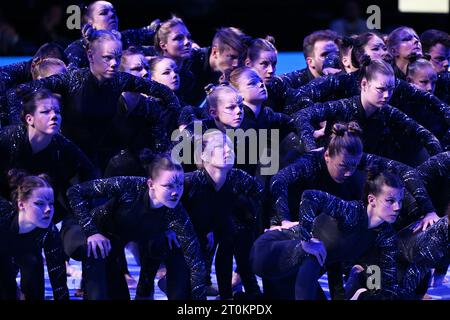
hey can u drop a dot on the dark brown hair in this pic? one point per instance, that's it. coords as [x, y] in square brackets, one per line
[345, 137]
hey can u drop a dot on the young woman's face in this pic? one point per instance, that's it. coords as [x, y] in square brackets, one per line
[135, 65]
[252, 88]
[104, 58]
[166, 72]
[375, 48]
[219, 152]
[342, 166]
[229, 110]
[265, 65]
[409, 44]
[378, 91]
[424, 79]
[440, 57]
[46, 119]
[39, 207]
[167, 188]
[179, 43]
[387, 204]
[103, 16]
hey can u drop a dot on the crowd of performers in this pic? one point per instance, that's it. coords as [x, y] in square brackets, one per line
[89, 164]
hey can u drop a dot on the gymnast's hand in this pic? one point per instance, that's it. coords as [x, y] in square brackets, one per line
[98, 241]
[316, 248]
[172, 239]
[429, 219]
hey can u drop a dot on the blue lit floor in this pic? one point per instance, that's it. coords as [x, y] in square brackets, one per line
[439, 293]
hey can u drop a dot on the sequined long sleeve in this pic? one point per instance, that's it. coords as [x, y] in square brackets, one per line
[80, 196]
[437, 166]
[350, 109]
[14, 74]
[315, 202]
[306, 119]
[182, 226]
[304, 169]
[387, 252]
[7, 214]
[407, 127]
[283, 98]
[247, 185]
[423, 251]
[56, 263]
[70, 83]
[442, 90]
[297, 78]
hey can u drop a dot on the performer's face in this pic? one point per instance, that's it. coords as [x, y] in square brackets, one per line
[46, 119]
[440, 57]
[408, 45]
[424, 79]
[387, 204]
[322, 49]
[166, 188]
[104, 58]
[265, 65]
[166, 72]
[341, 166]
[378, 91]
[375, 48]
[103, 16]
[178, 44]
[39, 207]
[229, 110]
[135, 65]
[252, 88]
[219, 152]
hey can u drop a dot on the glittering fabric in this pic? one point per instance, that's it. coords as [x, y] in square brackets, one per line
[310, 172]
[383, 129]
[48, 239]
[128, 193]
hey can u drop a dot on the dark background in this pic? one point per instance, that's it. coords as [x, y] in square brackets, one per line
[287, 20]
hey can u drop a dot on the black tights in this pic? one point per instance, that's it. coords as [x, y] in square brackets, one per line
[239, 246]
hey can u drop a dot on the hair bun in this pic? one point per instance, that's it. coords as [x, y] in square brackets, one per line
[209, 88]
[353, 127]
[155, 25]
[365, 60]
[270, 39]
[339, 129]
[87, 32]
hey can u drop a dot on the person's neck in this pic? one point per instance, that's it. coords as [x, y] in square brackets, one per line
[218, 175]
[24, 225]
[212, 64]
[314, 72]
[154, 203]
[374, 220]
[131, 100]
[38, 140]
[402, 64]
[254, 106]
[368, 108]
